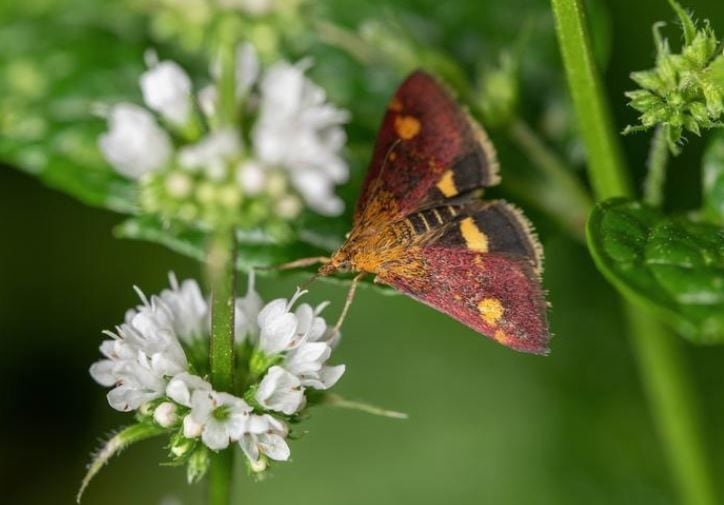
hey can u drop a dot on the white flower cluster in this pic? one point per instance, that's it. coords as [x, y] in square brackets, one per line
[146, 366]
[293, 157]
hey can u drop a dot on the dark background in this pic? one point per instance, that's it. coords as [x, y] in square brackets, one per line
[487, 425]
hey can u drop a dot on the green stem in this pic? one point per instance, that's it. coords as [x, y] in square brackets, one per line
[605, 163]
[221, 276]
[220, 474]
[226, 109]
[564, 198]
[221, 272]
[656, 168]
[661, 364]
[669, 391]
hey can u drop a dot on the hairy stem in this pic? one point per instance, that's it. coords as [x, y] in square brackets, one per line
[564, 197]
[221, 277]
[656, 168]
[221, 274]
[661, 365]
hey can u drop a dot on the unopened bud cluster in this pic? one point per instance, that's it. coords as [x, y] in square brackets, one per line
[685, 91]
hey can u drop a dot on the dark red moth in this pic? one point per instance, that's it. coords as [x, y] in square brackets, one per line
[420, 226]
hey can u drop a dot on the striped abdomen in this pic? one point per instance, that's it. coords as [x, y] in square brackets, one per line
[424, 221]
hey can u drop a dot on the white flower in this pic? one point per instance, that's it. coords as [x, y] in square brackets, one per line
[312, 327]
[167, 90]
[307, 363]
[144, 352]
[307, 360]
[278, 326]
[246, 311]
[135, 144]
[182, 386]
[217, 417]
[212, 154]
[265, 435]
[140, 358]
[305, 341]
[297, 130]
[280, 391]
[188, 310]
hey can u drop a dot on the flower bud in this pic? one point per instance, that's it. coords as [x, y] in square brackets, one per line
[198, 465]
[259, 465]
[192, 429]
[178, 184]
[146, 410]
[648, 79]
[165, 414]
[288, 207]
[181, 446]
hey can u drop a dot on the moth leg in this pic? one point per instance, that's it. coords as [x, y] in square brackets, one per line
[300, 263]
[348, 302]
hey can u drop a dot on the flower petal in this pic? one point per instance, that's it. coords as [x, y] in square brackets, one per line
[181, 387]
[215, 435]
[274, 446]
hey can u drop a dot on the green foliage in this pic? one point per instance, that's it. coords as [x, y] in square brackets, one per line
[685, 91]
[672, 264]
[254, 249]
[713, 180]
[52, 76]
[115, 445]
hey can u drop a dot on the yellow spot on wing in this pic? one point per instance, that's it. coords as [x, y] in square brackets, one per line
[501, 337]
[447, 185]
[474, 238]
[491, 310]
[407, 127]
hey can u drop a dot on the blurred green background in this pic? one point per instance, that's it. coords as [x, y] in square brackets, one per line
[487, 425]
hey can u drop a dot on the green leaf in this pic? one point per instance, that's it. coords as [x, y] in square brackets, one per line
[115, 445]
[255, 249]
[53, 78]
[671, 264]
[713, 180]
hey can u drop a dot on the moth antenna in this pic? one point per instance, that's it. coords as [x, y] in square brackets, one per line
[300, 263]
[348, 302]
[387, 157]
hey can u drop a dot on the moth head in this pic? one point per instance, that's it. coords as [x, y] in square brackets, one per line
[339, 263]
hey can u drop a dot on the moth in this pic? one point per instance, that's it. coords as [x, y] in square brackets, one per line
[421, 227]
